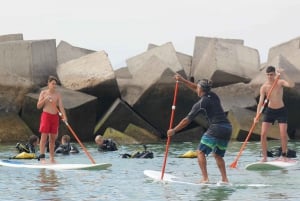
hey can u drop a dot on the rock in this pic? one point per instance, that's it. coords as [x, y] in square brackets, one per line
[11, 37]
[32, 60]
[91, 74]
[184, 59]
[13, 128]
[224, 61]
[12, 91]
[140, 134]
[289, 50]
[118, 137]
[166, 54]
[236, 95]
[67, 52]
[119, 117]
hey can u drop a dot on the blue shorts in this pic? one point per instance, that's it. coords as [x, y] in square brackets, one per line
[209, 143]
[271, 115]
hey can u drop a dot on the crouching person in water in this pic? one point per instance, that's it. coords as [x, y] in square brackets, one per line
[105, 144]
[66, 147]
[27, 151]
[218, 134]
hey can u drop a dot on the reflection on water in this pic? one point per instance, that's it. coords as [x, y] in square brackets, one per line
[48, 180]
[216, 194]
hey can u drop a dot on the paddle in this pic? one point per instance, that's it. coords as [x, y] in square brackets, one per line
[234, 164]
[171, 126]
[74, 134]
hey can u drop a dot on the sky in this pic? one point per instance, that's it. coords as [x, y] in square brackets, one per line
[124, 28]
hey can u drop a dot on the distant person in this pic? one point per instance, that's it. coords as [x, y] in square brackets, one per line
[66, 147]
[49, 99]
[139, 154]
[30, 147]
[218, 134]
[275, 109]
[105, 144]
[27, 151]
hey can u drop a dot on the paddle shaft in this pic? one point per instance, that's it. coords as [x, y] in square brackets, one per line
[74, 134]
[234, 164]
[170, 127]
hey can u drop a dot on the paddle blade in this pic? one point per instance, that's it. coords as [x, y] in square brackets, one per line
[233, 165]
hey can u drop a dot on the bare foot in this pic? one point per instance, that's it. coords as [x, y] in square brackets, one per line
[225, 180]
[52, 161]
[284, 159]
[263, 160]
[43, 161]
[204, 181]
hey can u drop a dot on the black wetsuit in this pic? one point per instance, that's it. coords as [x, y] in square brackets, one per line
[66, 149]
[210, 106]
[108, 145]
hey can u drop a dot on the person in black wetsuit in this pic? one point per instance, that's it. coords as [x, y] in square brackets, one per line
[27, 151]
[218, 134]
[33, 141]
[105, 144]
[66, 147]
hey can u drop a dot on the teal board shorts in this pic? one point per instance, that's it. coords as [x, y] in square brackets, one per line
[210, 144]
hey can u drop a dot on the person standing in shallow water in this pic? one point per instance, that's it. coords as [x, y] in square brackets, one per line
[275, 109]
[218, 134]
[49, 99]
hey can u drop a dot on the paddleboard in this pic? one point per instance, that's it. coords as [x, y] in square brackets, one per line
[156, 175]
[271, 165]
[21, 164]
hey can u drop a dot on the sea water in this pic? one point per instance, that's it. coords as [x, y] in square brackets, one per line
[125, 181]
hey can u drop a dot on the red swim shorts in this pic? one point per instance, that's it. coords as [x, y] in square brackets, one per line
[49, 123]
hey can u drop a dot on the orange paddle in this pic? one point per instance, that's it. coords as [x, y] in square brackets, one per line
[171, 126]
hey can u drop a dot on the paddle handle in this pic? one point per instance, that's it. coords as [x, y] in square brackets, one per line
[170, 127]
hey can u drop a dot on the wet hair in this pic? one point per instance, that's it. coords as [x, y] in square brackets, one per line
[66, 138]
[51, 78]
[33, 139]
[270, 69]
[205, 85]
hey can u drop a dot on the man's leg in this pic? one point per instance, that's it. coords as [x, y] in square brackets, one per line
[43, 143]
[202, 164]
[52, 138]
[221, 165]
[283, 137]
[263, 139]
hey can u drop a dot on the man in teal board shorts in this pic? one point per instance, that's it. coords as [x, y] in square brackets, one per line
[218, 134]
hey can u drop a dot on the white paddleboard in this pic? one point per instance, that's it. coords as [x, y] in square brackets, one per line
[21, 164]
[156, 175]
[271, 165]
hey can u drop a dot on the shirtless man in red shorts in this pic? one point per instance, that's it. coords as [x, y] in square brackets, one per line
[49, 99]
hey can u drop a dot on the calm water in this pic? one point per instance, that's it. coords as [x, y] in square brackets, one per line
[125, 181]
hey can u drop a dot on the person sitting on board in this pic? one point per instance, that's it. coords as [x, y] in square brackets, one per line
[66, 147]
[27, 151]
[275, 109]
[216, 137]
[138, 154]
[105, 144]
